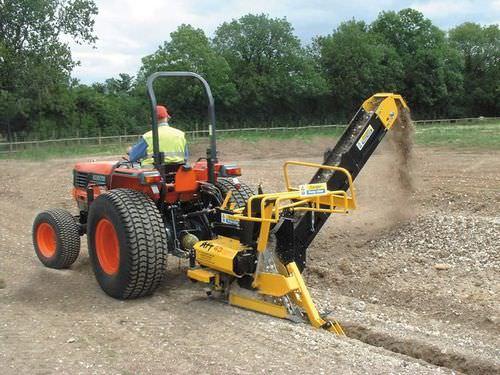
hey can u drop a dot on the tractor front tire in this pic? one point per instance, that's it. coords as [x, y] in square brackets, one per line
[240, 191]
[127, 243]
[56, 238]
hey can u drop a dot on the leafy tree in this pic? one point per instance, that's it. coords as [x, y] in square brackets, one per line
[36, 64]
[480, 48]
[121, 85]
[257, 68]
[189, 50]
[274, 75]
[432, 71]
[357, 63]
[97, 109]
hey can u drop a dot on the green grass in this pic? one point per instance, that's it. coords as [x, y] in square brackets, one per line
[306, 134]
[62, 151]
[484, 136]
[470, 136]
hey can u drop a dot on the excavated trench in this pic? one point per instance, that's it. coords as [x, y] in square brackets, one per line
[415, 348]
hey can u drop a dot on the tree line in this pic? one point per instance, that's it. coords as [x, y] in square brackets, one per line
[259, 70]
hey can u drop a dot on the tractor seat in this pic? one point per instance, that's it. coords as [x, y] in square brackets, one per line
[169, 171]
[171, 168]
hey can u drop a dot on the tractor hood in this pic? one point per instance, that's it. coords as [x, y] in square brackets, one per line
[101, 167]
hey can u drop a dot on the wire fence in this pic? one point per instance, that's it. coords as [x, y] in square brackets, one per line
[16, 146]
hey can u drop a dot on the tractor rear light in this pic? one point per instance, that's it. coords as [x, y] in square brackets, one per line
[233, 171]
[148, 178]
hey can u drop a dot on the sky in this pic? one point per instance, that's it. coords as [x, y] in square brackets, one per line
[130, 29]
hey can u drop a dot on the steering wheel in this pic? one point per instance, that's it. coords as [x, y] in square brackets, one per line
[124, 162]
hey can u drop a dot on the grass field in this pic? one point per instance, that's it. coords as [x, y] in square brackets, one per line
[484, 136]
[470, 136]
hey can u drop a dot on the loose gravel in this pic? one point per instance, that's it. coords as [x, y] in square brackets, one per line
[471, 243]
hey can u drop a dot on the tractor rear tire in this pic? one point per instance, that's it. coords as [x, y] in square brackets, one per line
[56, 238]
[127, 243]
[240, 191]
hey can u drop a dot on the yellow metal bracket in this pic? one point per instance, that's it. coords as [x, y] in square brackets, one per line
[333, 168]
[275, 284]
[272, 204]
[254, 304]
[385, 106]
[302, 298]
[226, 199]
[293, 285]
[201, 274]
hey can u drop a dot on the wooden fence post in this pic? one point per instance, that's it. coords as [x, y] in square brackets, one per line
[99, 138]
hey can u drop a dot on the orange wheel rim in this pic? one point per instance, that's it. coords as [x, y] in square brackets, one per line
[107, 246]
[46, 240]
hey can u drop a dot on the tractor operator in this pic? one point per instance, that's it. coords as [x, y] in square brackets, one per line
[172, 143]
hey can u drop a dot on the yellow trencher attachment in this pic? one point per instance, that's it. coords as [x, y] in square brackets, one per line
[277, 289]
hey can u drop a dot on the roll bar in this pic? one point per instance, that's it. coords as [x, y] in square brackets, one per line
[158, 157]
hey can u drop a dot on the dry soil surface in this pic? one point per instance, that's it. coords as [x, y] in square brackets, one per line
[413, 276]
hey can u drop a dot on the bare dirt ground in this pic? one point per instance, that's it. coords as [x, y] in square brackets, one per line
[413, 276]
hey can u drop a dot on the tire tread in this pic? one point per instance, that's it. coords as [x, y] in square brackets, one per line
[146, 241]
[239, 195]
[68, 234]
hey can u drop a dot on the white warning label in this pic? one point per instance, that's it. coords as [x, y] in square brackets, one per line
[364, 137]
[311, 190]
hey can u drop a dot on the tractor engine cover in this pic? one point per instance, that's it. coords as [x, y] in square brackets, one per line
[226, 255]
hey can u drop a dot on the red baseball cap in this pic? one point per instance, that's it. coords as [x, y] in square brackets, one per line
[161, 112]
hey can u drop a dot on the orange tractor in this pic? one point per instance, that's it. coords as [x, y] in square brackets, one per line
[133, 217]
[249, 249]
